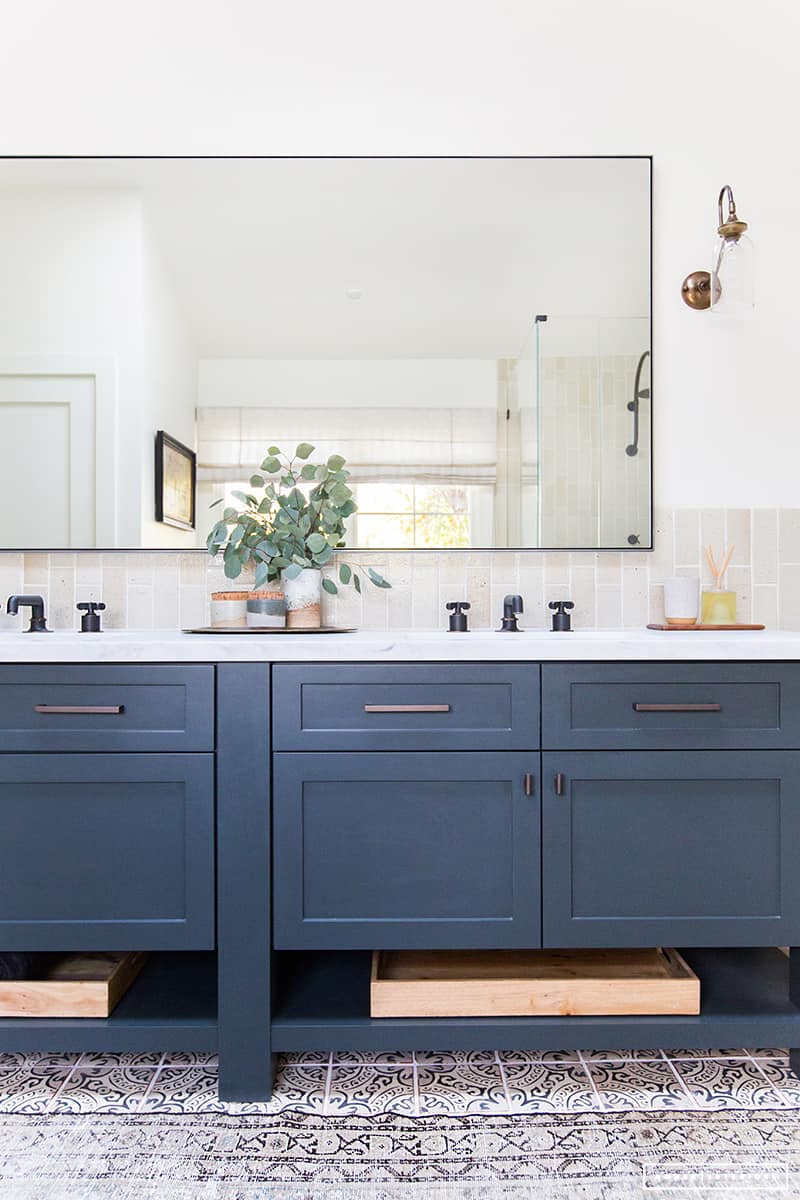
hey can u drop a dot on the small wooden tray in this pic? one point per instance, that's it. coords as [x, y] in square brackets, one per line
[538, 983]
[73, 985]
[701, 628]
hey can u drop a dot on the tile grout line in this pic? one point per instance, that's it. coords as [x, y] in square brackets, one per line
[690, 1095]
[775, 1088]
[504, 1080]
[592, 1084]
[52, 1102]
[326, 1095]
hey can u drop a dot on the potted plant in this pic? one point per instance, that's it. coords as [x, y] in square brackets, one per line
[288, 527]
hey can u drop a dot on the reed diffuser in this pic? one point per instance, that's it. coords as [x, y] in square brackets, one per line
[718, 604]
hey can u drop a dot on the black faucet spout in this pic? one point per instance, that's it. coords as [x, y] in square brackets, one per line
[36, 605]
[512, 606]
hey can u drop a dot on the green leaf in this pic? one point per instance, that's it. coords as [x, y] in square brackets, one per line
[357, 583]
[330, 586]
[233, 568]
[257, 481]
[336, 462]
[309, 471]
[345, 573]
[262, 574]
[348, 508]
[246, 498]
[292, 571]
[377, 579]
[271, 465]
[303, 450]
[316, 542]
[323, 556]
[321, 472]
[273, 450]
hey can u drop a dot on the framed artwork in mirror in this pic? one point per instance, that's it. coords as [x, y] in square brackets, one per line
[176, 482]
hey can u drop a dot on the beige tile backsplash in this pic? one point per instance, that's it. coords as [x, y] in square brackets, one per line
[171, 591]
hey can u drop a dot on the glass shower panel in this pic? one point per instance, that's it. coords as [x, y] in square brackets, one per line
[593, 432]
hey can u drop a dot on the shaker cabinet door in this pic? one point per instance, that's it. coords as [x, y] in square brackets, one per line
[375, 851]
[671, 849]
[106, 851]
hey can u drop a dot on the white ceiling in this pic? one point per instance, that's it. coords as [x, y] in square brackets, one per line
[454, 256]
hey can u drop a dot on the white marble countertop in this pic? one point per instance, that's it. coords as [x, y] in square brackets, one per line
[613, 645]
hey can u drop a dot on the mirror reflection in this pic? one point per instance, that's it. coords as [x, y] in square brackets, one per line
[471, 335]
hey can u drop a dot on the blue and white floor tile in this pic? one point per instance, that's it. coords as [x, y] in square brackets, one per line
[425, 1083]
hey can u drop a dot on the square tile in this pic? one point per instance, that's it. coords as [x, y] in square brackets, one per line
[639, 1086]
[104, 1089]
[301, 1087]
[549, 1087]
[183, 1089]
[467, 1088]
[369, 1088]
[738, 1053]
[445, 1060]
[620, 1056]
[397, 1058]
[779, 1077]
[107, 1061]
[187, 1058]
[24, 1091]
[735, 1083]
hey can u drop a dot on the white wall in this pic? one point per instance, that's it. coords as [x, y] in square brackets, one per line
[707, 86]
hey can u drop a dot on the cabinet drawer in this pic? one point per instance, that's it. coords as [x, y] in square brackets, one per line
[406, 850]
[435, 706]
[690, 849]
[665, 706]
[107, 708]
[107, 851]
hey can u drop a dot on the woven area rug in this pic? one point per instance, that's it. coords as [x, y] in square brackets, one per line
[296, 1156]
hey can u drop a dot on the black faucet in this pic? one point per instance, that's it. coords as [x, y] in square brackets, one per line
[36, 604]
[512, 605]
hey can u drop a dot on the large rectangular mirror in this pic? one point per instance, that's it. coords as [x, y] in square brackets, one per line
[471, 334]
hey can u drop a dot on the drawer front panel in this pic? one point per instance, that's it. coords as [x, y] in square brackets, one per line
[671, 849]
[660, 706]
[432, 706]
[405, 850]
[97, 708]
[107, 852]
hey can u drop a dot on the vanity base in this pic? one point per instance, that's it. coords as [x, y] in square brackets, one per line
[322, 1003]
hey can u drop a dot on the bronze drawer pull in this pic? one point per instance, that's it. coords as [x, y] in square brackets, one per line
[677, 708]
[81, 709]
[559, 783]
[528, 783]
[406, 708]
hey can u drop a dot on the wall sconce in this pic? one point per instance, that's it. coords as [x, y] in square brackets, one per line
[728, 286]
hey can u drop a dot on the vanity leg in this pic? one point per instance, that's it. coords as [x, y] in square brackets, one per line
[243, 881]
[794, 996]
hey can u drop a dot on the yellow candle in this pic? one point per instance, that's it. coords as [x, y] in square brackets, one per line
[718, 608]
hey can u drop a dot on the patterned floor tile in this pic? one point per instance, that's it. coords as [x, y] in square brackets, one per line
[400, 1058]
[621, 1056]
[768, 1053]
[104, 1089]
[447, 1059]
[23, 1091]
[190, 1058]
[301, 1086]
[549, 1087]
[779, 1077]
[734, 1083]
[371, 1088]
[706, 1053]
[464, 1088]
[177, 1089]
[639, 1086]
[107, 1061]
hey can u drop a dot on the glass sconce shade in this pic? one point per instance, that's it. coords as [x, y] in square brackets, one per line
[732, 275]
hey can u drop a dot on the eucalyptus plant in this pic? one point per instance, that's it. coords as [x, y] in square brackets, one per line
[281, 527]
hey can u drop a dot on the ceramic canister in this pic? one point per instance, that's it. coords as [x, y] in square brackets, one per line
[681, 598]
[229, 609]
[266, 609]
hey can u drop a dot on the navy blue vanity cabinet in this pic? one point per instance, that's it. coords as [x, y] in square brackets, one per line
[107, 851]
[689, 849]
[397, 850]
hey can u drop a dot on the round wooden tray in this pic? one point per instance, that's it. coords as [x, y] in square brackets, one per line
[257, 629]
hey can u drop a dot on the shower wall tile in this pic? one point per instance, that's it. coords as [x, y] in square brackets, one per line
[610, 590]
